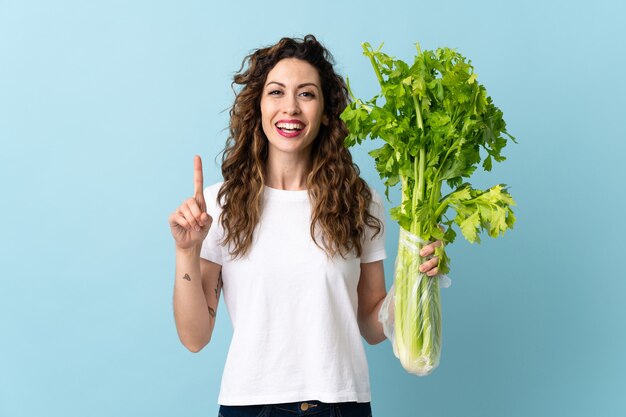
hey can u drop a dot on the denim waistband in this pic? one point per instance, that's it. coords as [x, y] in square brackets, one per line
[302, 408]
[311, 408]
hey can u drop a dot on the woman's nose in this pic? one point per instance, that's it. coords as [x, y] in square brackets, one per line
[291, 105]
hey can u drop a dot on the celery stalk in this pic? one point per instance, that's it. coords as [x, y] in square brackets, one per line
[438, 123]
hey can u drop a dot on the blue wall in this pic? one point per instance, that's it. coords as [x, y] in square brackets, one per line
[104, 104]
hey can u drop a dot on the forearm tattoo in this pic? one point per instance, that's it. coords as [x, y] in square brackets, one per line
[219, 287]
[217, 294]
[187, 277]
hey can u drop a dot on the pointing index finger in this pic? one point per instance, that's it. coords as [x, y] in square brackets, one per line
[198, 182]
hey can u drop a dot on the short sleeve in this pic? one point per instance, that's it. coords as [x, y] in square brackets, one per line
[211, 249]
[374, 246]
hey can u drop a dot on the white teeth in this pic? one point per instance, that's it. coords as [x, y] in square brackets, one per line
[290, 126]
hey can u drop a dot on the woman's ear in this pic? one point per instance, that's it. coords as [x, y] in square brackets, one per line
[325, 120]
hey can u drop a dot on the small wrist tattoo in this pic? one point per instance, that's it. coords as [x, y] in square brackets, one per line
[187, 277]
[212, 312]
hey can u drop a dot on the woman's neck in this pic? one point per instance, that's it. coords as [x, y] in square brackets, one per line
[287, 172]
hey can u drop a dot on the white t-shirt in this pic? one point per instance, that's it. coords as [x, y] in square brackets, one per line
[293, 310]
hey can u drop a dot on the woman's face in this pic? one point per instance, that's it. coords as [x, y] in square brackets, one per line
[292, 107]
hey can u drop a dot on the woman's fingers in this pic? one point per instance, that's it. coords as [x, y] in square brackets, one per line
[186, 209]
[206, 219]
[177, 219]
[198, 183]
[192, 214]
[430, 248]
[196, 211]
[430, 267]
[433, 272]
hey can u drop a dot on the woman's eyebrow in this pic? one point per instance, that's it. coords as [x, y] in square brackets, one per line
[299, 86]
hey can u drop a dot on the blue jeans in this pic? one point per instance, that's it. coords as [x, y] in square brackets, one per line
[298, 409]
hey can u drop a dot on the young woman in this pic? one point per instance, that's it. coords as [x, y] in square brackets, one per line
[295, 239]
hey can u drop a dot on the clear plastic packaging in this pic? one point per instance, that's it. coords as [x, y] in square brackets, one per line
[411, 312]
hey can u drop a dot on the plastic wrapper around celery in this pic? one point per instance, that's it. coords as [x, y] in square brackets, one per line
[411, 312]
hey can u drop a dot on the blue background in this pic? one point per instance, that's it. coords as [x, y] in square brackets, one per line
[103, 105]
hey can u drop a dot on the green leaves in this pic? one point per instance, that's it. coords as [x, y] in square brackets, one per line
[438, 123]
[489, 210]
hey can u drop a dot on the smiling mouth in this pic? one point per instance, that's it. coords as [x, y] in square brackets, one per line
[290, 127]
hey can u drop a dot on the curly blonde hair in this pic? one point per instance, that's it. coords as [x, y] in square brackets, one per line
[340, 198]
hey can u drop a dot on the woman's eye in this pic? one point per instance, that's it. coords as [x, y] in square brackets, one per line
[308, 94]
[273, 92]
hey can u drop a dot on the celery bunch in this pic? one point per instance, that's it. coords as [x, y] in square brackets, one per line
[435, 119]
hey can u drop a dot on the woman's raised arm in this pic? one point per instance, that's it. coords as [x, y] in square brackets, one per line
[197, 281]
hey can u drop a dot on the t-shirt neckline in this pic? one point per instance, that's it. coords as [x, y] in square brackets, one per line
[285, 195]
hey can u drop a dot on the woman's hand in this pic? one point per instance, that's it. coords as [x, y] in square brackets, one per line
[430, 266]
[190, 222]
